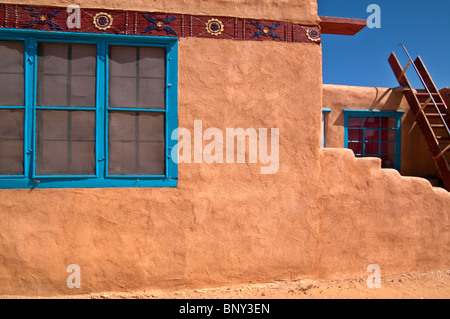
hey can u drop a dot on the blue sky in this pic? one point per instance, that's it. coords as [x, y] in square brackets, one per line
[361, 60]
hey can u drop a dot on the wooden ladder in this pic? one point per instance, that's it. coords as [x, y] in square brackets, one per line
[431, 113]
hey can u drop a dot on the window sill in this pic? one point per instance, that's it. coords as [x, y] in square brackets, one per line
[87, 183]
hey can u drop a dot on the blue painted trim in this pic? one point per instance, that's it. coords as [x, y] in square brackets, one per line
[65, 108]
[12, 107]
[376, 113]
[129, 109]
[373, 113]
[12, 176]
[72, 177]
[84, 183]
[172, 109]
[325, 111]
[30, 101]
[103, 41]
[105, 80]
[137, 176]
[32, 81]
[21, 34]
[101, 115]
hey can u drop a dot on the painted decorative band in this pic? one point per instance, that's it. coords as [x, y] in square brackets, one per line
[156, 24]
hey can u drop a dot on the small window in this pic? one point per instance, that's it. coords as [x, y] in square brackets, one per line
[87, 110]
[375, 134]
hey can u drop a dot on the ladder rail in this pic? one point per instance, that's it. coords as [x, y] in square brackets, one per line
[426, 87]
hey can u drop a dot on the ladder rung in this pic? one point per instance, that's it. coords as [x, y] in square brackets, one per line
[446, 149]
[438, 104]
[404, 70]
[433, 115]
[443, 138]
[425, 94]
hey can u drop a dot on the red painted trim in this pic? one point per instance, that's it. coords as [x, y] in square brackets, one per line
[342, 26]
[135, 23]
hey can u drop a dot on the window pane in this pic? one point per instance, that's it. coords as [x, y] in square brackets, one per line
[82, 91]
[65, 142]
[357, 148]
[388, 148]
[355, 135]
[122, 92]
[150, 95]
[11, 73]
[356, 122]
[66, 75]
[388, 135]
[372, 149]
[388, 122]
[137, 77]
[152, 63]
[122, 61]
[372, 122]
[11, 142]
[136, 143]
[372, 135]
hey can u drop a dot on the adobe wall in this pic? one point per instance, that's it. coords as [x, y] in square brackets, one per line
[325, 214]
[375, 216]
[416, 159]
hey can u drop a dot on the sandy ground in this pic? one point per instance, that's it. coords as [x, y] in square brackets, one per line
[432, 285]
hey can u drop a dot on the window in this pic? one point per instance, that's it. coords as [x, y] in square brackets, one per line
[375, 134]
[80, 110]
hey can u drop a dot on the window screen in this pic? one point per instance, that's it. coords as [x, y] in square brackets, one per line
[136, 139]
[12, 120]
[137, 77]
[66, 75]
[11, 142]
[11, 73]
[65, 136]
[65, 142]
[136, 143]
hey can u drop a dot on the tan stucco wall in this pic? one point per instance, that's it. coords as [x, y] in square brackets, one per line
[296, 11]
[416, 159]
[399, 223]
[223, 223]
[325, 214]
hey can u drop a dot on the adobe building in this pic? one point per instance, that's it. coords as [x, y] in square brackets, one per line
[88, 105]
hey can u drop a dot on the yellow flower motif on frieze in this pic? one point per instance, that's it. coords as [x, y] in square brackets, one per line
[214, 27]
[103, 21]
[313, 35]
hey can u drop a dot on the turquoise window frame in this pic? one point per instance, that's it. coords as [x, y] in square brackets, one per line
[101, 179]
[325, 111]
[374, 113]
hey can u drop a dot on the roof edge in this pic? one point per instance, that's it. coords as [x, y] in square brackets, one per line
[341, 26]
